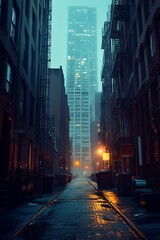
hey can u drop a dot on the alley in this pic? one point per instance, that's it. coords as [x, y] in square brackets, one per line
[78, 213]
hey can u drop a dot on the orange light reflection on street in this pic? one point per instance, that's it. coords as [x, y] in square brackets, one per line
[112, 197]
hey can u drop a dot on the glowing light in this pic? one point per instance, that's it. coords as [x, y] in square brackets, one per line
[100, 150]
[106, 156]
[76, 163]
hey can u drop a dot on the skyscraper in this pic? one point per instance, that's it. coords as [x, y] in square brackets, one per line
[81, 81]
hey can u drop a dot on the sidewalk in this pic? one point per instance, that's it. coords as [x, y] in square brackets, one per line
[18, 217]
[147, 223]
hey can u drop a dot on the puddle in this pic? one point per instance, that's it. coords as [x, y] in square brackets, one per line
[105, 205]
[95, 237]
[33, 204]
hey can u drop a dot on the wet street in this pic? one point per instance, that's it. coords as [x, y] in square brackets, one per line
[79, 213]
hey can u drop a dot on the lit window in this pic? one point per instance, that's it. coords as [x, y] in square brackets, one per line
[8, 79]
[13, 25]
[151, 45]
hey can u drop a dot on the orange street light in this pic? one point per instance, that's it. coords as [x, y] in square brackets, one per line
[101, 150]
[76, 163]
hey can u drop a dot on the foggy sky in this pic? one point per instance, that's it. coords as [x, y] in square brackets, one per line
[59, 30]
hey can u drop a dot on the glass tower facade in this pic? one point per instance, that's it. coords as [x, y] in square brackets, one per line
[81, 81]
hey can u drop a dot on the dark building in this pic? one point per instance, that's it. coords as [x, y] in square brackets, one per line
[97, 162]
[24, 52]
[59, 121]
[130, 126]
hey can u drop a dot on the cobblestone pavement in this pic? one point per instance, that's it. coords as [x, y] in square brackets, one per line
[147, 223]
[78, 214]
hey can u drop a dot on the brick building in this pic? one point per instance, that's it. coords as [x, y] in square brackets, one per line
[24, 52]
[59, 120]
[130, 126]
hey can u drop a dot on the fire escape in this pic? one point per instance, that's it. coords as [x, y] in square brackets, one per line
[44, 64]
[119, 14]
[105, 129]
[105, 81]
[120, 101]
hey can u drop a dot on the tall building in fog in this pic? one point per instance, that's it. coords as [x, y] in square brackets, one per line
[81, 81]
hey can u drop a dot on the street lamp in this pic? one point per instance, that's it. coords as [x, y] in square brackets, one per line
[106, 160]
[101, 152]
[76, 163]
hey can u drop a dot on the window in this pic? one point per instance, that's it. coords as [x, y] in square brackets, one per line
[3, 11]
[1, 65]
[146, 9]
[8, 81]
[27, 9]
[154, 94]
[139, 20]
[151, 45]
[85, 114]
[133, 6]
[25, 52]
[30, 156]
[152, 2]
[33, 67]
[136, 76]
[135, 37]
[22, 100]
[40, 14]
[31, 118]
[14, 20]
[34, 25]
[0, 7]
[142, 64]
[39, 42]
[158, 32]
[148, 47]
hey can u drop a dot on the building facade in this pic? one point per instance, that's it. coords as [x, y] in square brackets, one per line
[96, 163]
[59, 121]
[24, 52]
[133, 132]
[81, 81]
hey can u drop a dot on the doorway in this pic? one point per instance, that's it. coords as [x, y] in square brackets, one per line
[5, 146]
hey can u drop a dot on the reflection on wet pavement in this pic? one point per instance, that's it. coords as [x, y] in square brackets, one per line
[79, 214]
